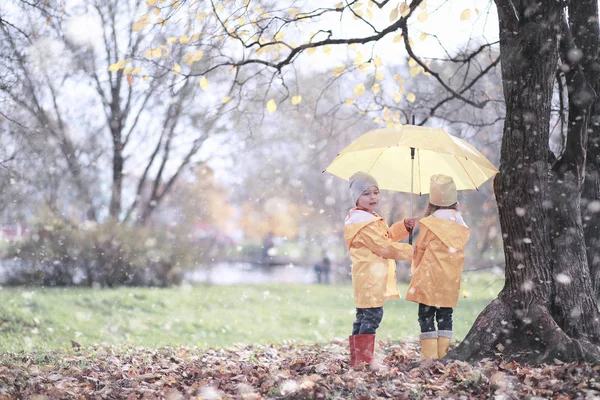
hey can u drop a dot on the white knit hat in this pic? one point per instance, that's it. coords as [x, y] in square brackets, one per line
[442, 190]
[359, 182]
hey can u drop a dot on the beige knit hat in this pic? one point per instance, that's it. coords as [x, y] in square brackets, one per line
[359, 182]
[442, 190]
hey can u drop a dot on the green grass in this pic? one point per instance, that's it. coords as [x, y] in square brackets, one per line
[36, 319]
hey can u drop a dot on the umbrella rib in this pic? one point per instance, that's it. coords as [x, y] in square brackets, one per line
[419, 166]
[466, 172]
[377, 159]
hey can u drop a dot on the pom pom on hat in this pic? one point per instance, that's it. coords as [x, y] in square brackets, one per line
[359, 182]
[442, 190]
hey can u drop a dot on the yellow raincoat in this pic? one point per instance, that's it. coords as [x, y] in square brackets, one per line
[438, 262]
[373, 249]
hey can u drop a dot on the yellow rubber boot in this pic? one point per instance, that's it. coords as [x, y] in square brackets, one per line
[429, 348]
[442, 346]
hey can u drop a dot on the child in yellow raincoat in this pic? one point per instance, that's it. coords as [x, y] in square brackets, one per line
[373, 249]
[437, 266]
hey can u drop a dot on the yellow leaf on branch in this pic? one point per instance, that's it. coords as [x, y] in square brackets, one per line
[404, 9]
[279, 36]
[271, 106]
[423, 16]
[412, 62]
[394, 14]
[397, 97]
[379, 76]
[423, 5]
[359, 89]
[311, 50]
[226, 100]
[338, 70]
[397, 38]
[415, 71]
[184, 39]
[176, 69]
[399, 78]
[423, 36]
[204, 83]
[154, 53]
[411, 97]
[376, 88]
[349, 101]
[141, 24]
[296, 100]
[465, 15]
[359, 60]
[378, 62]
[151, 3]
[136, 71]
[191, 58]
[327, 50]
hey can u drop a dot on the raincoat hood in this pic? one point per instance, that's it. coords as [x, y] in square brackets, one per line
[355, 221]
[453, 235]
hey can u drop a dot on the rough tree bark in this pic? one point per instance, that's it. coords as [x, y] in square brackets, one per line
[547, 307]
[583, 18]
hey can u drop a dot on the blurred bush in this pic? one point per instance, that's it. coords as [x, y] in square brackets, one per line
[105, 255]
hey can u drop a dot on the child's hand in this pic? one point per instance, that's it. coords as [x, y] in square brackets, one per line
[410, 223]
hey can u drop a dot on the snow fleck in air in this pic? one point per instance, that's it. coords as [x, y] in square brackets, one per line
[520, 266]
[594, 206]
[526, 240]
[574, 55]
[520, 211]
[527, 286]
[563, 278]
[576, 312]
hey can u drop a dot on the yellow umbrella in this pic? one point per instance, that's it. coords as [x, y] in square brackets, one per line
[391, 154]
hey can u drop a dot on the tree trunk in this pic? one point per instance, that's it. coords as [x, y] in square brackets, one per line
[583, 18]
[530, 319]
[116, 129]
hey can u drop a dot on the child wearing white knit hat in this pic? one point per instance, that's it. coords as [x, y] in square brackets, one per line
[373, 247]
[437, 266]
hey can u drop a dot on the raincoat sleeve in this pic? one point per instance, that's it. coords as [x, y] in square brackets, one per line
[384, 246]
[398, 231]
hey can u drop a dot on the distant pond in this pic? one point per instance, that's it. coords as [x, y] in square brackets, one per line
[246, 273]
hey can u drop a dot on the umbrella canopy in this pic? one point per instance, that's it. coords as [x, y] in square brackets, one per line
[386, 154]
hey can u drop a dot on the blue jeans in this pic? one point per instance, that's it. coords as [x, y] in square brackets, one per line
[367, 320]
[442, 315]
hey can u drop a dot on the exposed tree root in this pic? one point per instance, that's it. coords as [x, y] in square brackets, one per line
[534, 337]
[485, 333]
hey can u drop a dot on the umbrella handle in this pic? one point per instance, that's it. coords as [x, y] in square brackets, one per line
[410, 234]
